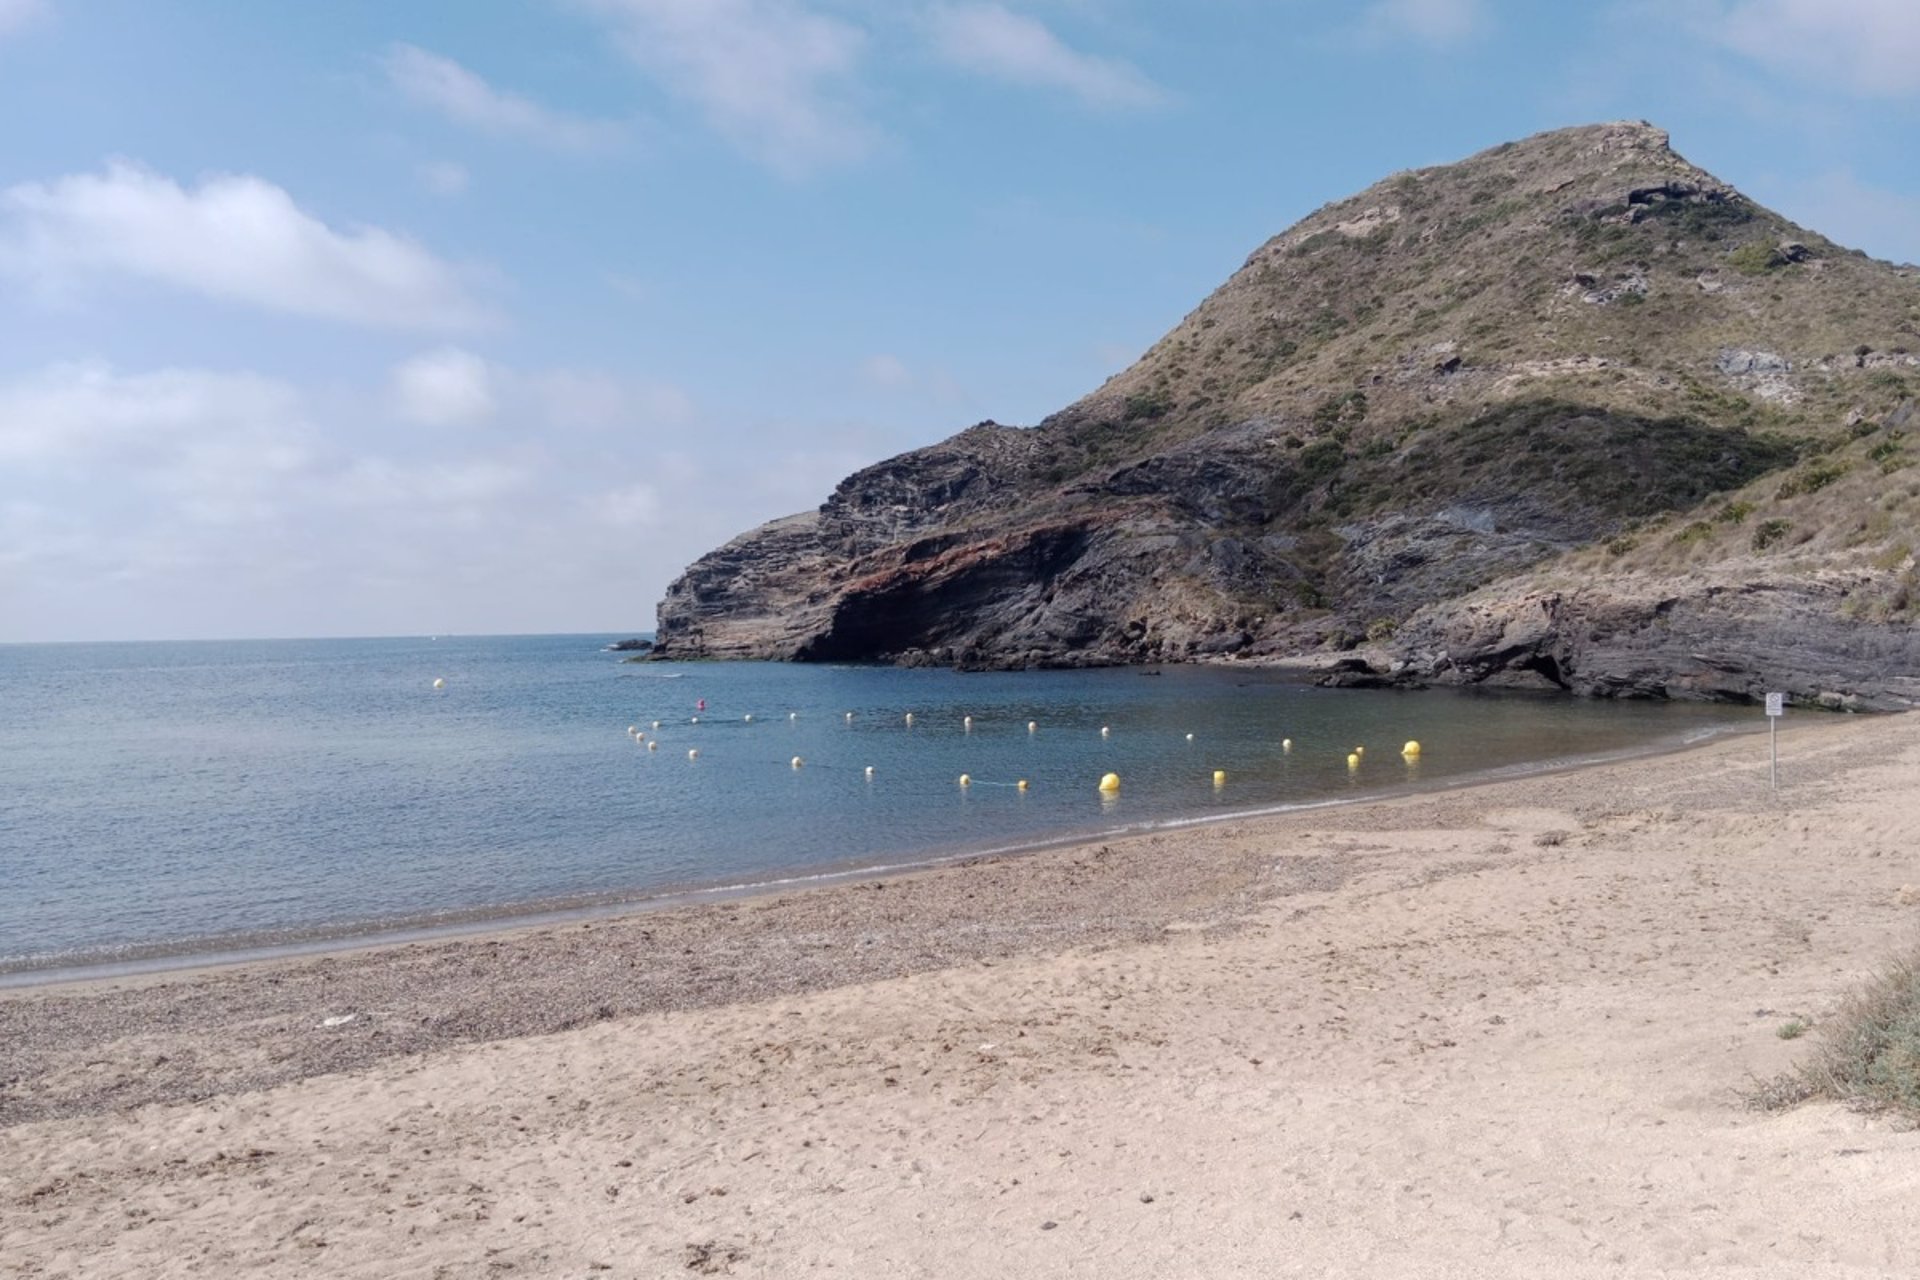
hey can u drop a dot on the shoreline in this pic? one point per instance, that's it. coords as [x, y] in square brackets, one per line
[202, 955]
[1502, 1030]
[1023, 914]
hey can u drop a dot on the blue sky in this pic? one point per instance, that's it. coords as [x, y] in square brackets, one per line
[361, 318]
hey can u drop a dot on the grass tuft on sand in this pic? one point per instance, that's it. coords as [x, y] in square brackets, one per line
[1870, 1054]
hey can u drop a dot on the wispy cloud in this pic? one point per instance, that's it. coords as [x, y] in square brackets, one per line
[628, 507]
[16, 15]
[73, 411]
[466, 98]
[1434, 22]
[204, 501]
[993, 40]
[1868, 47]
[446, 387]
[233, 237]
[772, 76]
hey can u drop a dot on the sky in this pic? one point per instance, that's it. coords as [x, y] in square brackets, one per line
[489, 316]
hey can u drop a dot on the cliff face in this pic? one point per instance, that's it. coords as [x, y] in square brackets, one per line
[1488, 421]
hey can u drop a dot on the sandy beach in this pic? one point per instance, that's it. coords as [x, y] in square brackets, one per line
[1498, 1031]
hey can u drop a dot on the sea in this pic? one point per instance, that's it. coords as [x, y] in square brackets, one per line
[172, 804]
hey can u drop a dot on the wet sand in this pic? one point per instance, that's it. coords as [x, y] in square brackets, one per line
[1495, 1031]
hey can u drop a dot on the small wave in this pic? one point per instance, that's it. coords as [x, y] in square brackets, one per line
[657, 675]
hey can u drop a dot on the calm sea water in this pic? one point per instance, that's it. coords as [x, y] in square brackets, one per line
[187, 799]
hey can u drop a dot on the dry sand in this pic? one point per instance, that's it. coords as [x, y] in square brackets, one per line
[1500, 1031]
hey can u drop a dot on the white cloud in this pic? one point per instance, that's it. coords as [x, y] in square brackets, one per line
[770, 75]
[993, 40]
[1863, 46]
[16, 14]
[1437, 22]
[464, 97]
[445, 387]
[234, 237]
[444, 177]
[75, 410]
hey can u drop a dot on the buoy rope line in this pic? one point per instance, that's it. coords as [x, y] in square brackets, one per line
[1109, 783]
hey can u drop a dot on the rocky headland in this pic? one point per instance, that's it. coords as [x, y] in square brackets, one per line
[1570, 413]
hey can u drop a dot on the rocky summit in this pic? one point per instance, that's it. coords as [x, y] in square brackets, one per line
[1571, 413]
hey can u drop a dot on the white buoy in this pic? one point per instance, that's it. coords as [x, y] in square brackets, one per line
[1021, 785]
[653, 746]
[1286, 744]
[748, 717]
[1189, 737]
[1033, 726]
[694, 720]
[1105, 732]
[869, 771]
[797, 762]
[693, 753]
[966, 722]
[909, 717]
[438, 683]
[656, 724]
[849, 717]
[965, 780]
[793, 715]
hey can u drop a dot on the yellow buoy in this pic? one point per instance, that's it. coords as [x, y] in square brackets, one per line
[1033, 726]
[693, 753]
[797, 762]
[1353, 760]
[1021, 785]
[1110, 783]
[1219, 777]
[965, 780]
[438, 683]
[1411, 749]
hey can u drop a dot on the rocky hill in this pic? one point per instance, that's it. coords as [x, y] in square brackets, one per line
[1571, 412]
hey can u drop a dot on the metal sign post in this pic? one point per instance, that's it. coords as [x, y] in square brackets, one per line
[1776, 707]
